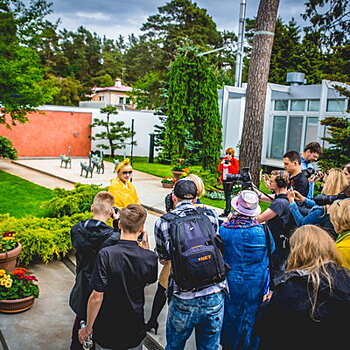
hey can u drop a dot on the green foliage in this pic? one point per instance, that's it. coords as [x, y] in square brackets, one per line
[44, 238]
[103, 81]
[6, 148]
[116, 133]
[7, 242]
[193, 117]
[20, 70]
[69, 202]
[19, 197]
[17, 285]
[337, 154]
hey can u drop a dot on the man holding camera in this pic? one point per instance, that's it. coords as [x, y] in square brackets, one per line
[197, 298]
[228, 165]
[308, 158]
[88, 237]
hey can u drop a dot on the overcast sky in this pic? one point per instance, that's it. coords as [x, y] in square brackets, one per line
[123, 17]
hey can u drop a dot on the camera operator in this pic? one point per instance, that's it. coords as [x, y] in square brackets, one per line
[228, 165]
[334, 182]
[308, 158]
[278, 219]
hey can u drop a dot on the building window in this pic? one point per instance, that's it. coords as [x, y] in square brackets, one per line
[278, 136]
[335, 105]
[295, 128]
[297, 105]
[128, 101]
[313, 105]
[281, 105]
[101, 98]
[121, 100]
[311, 130]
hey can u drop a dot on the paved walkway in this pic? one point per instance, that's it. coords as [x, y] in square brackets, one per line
[48, 324]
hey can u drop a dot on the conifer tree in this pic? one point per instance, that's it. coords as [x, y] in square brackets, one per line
[193, 122]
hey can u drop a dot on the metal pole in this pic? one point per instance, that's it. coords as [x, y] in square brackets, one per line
[132, 140]
[240, 48]
[151, 148]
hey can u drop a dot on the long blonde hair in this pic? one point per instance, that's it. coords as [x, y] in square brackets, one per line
[199, 184]
[335, 182]
[339, 213]
[311, 249]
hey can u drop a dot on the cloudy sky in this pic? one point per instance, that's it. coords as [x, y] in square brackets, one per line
[123, 17]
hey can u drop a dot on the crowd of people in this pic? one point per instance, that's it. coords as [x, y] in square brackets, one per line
[277, 279]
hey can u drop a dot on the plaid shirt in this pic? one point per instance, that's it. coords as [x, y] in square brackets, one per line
[162, 237]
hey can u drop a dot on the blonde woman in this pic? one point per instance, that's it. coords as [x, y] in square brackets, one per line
[335, 182]
[308, 310]
[199, 184]
[121, 188]
[339, 213]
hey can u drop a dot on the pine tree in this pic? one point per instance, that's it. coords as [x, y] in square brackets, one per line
[116, 133]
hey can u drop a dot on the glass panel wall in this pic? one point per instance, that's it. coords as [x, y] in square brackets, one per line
[294, 133]
[311, 130]
[335, 105]
[278, 137]
[313, 105]
[297, 105]
[281, 105]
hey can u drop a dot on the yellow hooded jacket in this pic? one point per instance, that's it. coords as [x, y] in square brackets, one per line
[343, 246]
[124, 194]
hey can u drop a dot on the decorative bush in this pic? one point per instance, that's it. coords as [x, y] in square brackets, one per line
[44, 238]
[7, 241]
[6, 148]
[168, 180]
[69, 202]
[215, 195]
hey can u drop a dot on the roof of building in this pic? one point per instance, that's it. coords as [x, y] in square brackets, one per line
[113, 88]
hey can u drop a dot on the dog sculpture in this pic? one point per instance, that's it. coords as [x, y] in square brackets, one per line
[97, 161]
[86, 167]
[66, 159]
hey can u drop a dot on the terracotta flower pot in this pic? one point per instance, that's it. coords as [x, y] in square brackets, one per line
[167, 185]
[177, 174]
[8, 259]
[16, 305]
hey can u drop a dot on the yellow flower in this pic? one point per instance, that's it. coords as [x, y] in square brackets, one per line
[2, 273]
[8, 238]
[8, 284]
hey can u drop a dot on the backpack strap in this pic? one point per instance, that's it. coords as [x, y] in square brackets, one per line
[169, 217]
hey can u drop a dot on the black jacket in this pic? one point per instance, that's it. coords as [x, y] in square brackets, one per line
[88, 238]
[285, 322]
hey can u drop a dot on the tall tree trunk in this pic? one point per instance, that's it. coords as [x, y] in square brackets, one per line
[251, 144]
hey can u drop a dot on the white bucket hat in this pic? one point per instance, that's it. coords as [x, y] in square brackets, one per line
[246, 203]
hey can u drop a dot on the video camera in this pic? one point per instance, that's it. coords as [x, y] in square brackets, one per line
[243, 178]
[323, 199]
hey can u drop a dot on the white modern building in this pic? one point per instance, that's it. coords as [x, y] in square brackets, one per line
[292, 115]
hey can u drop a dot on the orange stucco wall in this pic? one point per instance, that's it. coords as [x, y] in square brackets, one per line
[49, 134]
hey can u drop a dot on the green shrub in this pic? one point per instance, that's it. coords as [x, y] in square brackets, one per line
[69, 202]
[44, 238]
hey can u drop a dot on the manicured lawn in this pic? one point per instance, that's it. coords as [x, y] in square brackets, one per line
[19, 197]
[162, 170]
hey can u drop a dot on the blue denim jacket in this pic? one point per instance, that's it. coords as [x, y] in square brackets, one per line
[315, 216]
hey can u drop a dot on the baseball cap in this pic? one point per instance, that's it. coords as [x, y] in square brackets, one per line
[185, 189]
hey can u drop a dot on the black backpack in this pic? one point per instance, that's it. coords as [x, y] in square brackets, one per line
[196, 260]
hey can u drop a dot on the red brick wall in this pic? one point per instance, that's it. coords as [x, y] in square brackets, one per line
[50, 134]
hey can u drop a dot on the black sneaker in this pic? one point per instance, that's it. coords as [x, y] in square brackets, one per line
[223, 215]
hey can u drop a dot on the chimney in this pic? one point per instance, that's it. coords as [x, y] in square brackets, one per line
[118, 82]
[296, 78]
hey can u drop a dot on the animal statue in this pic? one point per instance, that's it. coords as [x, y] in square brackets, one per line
[66, 159]
[116, 162]
[86, 167]
[97, 161]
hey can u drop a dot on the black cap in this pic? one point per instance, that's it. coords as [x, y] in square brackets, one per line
[185, 189]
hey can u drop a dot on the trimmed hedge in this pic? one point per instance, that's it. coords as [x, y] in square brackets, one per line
[44, 238]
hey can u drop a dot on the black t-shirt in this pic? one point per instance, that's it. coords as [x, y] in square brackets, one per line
[282, 223]
[300, 183]
[122, 271]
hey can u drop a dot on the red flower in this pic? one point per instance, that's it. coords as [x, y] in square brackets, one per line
[8, 234]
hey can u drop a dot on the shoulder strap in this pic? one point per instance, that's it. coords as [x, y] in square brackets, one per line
[268, 241]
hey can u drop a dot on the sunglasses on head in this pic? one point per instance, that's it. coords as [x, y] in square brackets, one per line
[127, 172]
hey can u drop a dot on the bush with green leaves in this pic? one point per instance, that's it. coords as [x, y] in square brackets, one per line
[69, 202]
[6, 148]
[44, 238]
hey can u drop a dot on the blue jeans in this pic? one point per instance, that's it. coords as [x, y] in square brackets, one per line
[204, 314]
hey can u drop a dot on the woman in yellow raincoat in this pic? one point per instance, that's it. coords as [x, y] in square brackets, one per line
[121, 188]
